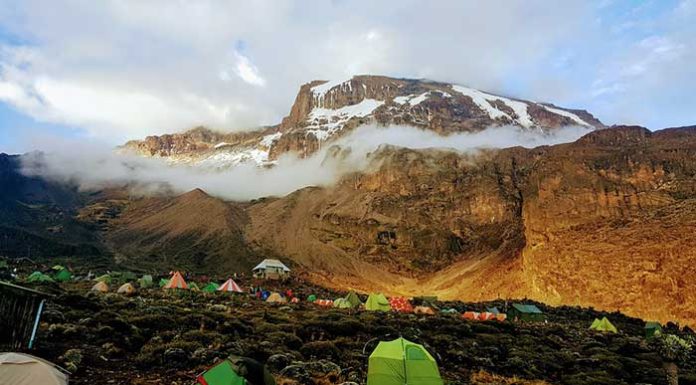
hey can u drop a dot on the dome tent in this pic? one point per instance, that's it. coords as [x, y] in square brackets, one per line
[24, 369]
[377, 302]
[402, 362]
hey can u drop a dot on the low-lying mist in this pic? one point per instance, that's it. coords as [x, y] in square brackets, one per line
[92, 167]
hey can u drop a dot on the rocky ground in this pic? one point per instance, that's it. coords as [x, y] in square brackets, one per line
[159, 337]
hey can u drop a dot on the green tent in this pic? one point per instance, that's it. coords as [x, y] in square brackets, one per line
[163, 282]
[377, 302]
[58, 268]
[342, 303]
[38, 276]
[237, 371]
[603, 325]
[652, 329]
[525, 313]
[311, 298]
[63, 275]
[402, 362]
[353, 299]
[221, 374]
[210, 287]
[193, 286]
[145, 281]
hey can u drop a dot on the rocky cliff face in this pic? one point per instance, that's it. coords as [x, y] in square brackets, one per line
[326, 110]
[607, 222]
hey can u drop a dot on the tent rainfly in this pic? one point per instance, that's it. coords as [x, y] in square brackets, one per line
[271, 269]
[402, 362]
[237, 371]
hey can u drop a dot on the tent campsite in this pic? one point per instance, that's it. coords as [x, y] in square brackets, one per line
[402, 362]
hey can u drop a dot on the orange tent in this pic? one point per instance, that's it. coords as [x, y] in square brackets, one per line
[471, 315]
[424, 310]
[295, 300]
[324, 302]
[501, 317]
[176, 282]
[400, 304]
[486, 316]
[230, 286]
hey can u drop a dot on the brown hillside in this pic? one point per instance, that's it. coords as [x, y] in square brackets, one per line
[608, 221]
[193, 231]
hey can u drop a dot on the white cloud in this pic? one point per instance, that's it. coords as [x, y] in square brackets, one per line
[246, 70]
[93, 166]
[163, 55]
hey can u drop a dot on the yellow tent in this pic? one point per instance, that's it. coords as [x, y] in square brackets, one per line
[100, 287]
[126, 289]
[603, 325]
[276, 298]
[377, 302]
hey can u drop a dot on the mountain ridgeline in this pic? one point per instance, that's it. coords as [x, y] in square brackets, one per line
[326, 110]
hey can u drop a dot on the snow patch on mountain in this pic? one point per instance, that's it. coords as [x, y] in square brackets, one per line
[567, 114]
[412, 99]
[324, 122]
[268, 140]
[483, 100]
[319, 92]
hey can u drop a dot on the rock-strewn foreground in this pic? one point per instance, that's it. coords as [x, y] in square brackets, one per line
[169, 338]
[608, 221]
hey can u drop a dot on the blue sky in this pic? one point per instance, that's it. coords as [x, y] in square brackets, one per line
[117, 70]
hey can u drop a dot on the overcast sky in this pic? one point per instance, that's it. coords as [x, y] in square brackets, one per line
[117, 70]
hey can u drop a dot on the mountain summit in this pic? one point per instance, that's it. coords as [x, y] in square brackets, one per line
[325, 110]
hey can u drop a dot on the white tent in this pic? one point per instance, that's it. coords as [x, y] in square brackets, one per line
[23, 369]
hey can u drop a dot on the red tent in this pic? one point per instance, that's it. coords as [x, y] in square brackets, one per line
[400, 304]
[176, 282]
[230, 286]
